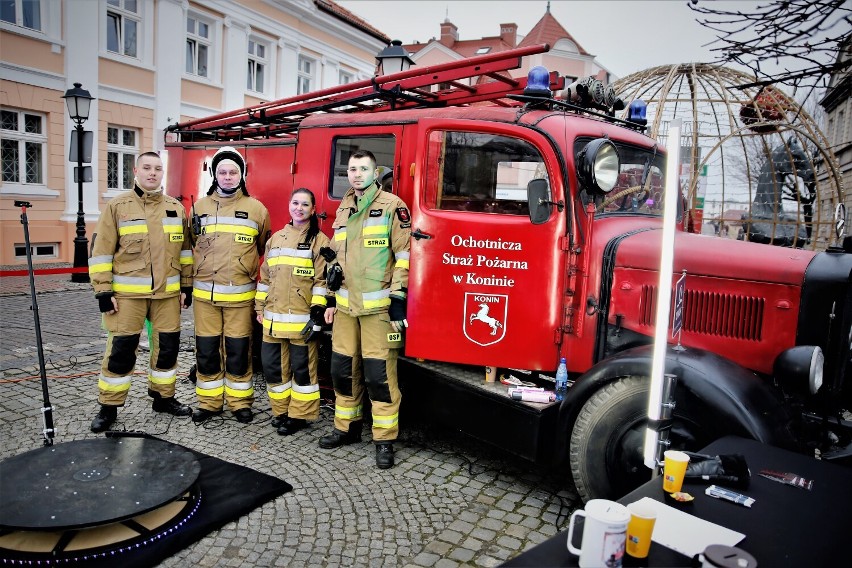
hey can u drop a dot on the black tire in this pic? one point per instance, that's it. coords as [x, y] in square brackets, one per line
[602, 462]
[609, 435]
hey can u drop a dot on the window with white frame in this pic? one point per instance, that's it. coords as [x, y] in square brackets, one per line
[305, 75]
[198, 46]
[258, 63]
[122, 148]
[37, 250]
[344, 78]
[123, 23]
[24, 13]
[23, 142]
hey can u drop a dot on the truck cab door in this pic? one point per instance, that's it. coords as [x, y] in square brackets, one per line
[484, 282]
[322, 157]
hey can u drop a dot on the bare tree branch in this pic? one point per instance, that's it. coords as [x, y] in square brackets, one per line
[802, 38]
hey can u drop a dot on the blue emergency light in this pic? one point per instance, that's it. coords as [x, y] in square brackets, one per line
[538, 82]
[636, 112]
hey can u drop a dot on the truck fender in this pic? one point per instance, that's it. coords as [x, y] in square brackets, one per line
[709, 387]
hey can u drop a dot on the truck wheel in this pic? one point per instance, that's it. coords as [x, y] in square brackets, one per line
[609, 435]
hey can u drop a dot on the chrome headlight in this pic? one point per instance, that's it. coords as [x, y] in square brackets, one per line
[800, 369]
[598, 165]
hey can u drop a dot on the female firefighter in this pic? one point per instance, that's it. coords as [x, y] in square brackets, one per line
[229, 233]
[290, 305]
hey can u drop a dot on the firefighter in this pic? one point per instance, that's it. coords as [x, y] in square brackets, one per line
[372, 229]
[229, 233]
[140, 268]
[290, 305]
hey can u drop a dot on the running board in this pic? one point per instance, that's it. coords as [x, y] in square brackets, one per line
[457, 396]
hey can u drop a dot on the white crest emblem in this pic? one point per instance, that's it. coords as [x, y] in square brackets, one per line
[485, 317]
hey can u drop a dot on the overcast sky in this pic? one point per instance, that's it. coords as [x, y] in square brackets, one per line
[625, 36]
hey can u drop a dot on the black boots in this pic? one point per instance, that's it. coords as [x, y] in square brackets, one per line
[277, 421]
[105, 418]
[292, 425]
[202, 414]
[384, 455]
[338, 438]
[243, 415]
[169, 405]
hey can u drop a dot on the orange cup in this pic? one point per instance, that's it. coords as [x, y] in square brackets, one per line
[674, 470]
[643, 516]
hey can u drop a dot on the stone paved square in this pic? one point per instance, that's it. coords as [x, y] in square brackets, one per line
[449, 501]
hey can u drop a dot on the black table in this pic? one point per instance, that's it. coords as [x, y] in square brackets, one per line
[786, 526]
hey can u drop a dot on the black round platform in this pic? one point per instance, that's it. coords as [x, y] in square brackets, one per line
[87, 483]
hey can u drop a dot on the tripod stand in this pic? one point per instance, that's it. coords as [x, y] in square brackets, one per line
[47, 409]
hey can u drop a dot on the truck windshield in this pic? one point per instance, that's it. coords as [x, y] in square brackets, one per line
[640, 184]
[483, 173]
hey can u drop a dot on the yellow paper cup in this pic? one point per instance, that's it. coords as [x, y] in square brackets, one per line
[674, 470]
[643, 515]
[490, 374]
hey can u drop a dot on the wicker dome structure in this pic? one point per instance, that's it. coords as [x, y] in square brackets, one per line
[754, 164]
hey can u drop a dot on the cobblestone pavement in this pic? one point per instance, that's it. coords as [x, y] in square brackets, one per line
[448, 502]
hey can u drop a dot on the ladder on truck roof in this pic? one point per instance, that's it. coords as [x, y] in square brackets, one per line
[403, 90]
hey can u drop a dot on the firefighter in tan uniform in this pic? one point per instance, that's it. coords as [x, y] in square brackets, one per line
[140, 268]
[229, 233]
[290, 303]
[372, 230]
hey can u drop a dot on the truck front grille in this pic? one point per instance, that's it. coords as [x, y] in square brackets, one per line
[712, 313]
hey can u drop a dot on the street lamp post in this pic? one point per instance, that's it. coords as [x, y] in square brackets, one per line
[79, 101]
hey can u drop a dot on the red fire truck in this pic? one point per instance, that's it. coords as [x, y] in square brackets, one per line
[536, 235]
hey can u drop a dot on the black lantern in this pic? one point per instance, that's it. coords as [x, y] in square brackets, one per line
[79, 102]
[393, 59]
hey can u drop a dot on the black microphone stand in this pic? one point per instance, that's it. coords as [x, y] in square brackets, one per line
[47, 410]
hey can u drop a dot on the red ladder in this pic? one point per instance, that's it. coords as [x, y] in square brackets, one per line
[407, 89]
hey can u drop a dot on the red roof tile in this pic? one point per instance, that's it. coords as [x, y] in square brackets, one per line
[549, 31]
[337, 10]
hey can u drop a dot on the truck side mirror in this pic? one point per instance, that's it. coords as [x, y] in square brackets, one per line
[539, 204]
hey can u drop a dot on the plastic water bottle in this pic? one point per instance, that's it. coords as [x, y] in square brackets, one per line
[561, 380]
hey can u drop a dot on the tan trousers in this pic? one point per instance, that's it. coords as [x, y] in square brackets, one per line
[290, 369]
[223, 355]
[119, 360]
[372, 339]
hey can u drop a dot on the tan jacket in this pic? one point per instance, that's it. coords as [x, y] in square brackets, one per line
[292, 279]
[140, 247]
[232, 234]
[372, 241]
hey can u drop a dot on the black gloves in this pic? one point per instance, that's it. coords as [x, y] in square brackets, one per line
[396, 313]
[187, 291]
[105, 302]
[334, 277]
[729, 469]
[318, 314]
[334, 273]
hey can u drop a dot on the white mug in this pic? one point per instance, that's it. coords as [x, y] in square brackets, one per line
[604, 534]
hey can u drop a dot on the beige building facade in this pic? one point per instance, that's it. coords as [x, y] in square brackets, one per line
[148, 64]
[838, 128]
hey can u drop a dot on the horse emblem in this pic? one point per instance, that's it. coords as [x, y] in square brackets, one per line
[485, 317]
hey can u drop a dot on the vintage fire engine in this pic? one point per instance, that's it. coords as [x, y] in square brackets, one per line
[536, 235]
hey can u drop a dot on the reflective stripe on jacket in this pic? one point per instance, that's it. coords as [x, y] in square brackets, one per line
[232, 235]
[141, 247]
[372, 242]
[292, 279]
